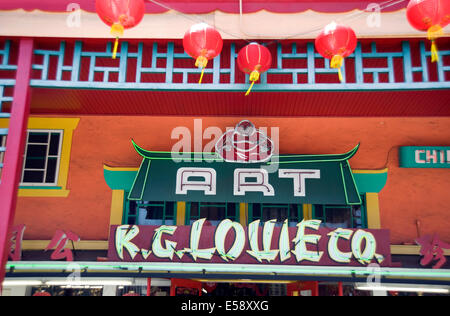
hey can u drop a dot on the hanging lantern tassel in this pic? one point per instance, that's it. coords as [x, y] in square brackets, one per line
[254, 76]
[201, 62]
[336, 63]
[434, 33]
[117, 31]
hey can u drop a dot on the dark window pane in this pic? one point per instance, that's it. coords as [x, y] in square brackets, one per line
[51, 170]
[338, 217]
[36, 151]
[212, 213]
[194, 210]
[154, 212]
[133, 207]
[54, 144]
[170, 209]
[256, 211]
[275, 212]
[37, 137]
[33, 177]
[232, 211]
[294, 212]
[318, 211]
[35, 163]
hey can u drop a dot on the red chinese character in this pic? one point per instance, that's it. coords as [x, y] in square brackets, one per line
[16, 237]
[432, 250]
[60, 241]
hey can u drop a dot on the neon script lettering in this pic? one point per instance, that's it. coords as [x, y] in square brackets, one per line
[257, 243]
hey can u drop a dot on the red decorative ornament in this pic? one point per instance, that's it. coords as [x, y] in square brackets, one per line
[120, 15]
[430, 16]
[336, 42]
[254, 59]
[42, 293]
[203, 43]
[131, 293]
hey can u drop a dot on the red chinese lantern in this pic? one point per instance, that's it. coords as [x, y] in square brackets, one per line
[336, 42]
[430, 16]
[120, 15]
[203, 43]
[445, 5]
[254, 59]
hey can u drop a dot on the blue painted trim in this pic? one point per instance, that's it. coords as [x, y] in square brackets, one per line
[311, 70]
[39, 188]
[149, 65]
[241, 87]
[6, 66]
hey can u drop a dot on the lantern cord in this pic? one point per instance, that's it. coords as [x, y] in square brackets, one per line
[116, 46]
[381, 6]
[201, 76]
[201, 62]
[352, 16]
[336, 62]
[116, 30]
[254, 76]
[434, 52]
[434, 33]
[250, 89]
[341, 78]
[196, 20]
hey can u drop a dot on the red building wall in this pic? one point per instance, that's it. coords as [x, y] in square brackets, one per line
[409, 195]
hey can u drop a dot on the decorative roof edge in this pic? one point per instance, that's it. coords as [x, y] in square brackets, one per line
[202, 7]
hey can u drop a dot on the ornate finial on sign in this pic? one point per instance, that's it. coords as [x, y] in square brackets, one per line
[245, 144]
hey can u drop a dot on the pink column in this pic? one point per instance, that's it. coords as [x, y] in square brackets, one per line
[15, 148]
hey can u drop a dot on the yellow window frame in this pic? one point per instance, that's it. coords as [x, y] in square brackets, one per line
[67, 125]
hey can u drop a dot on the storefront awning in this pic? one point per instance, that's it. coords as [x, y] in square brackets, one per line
[333, 183]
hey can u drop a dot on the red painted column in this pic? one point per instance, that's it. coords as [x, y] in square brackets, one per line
[149, 286]
[15, 143]
[173, 286]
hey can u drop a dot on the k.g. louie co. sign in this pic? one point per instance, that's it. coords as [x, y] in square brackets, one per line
[307, 243]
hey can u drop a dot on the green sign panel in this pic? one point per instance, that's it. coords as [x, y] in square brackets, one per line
[424, 157]
[296, 179]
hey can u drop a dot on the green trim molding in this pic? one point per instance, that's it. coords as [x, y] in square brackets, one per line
[366, 181]
[370, 181]
[119, 178]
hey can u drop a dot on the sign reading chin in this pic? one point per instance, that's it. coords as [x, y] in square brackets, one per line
[245, 144]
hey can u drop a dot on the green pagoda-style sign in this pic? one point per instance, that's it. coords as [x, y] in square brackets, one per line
[204, 177]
